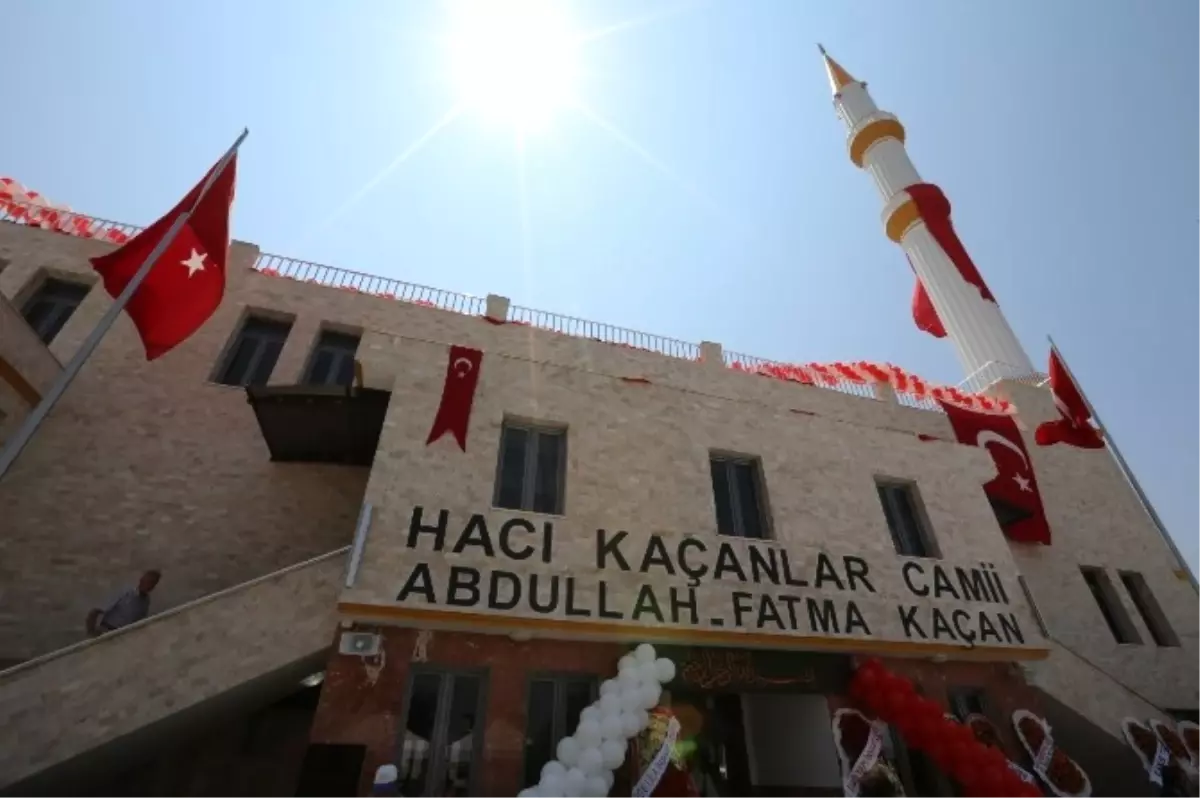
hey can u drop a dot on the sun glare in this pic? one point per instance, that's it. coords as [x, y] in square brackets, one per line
[513, 60]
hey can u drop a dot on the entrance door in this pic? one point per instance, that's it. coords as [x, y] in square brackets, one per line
[441, 738]
[714, 739]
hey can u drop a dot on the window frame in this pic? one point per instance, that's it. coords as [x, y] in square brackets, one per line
[958, 696]
[534, 432]
[225, 362]
[729, 461]
[1147, 606]
[1108, 602]
[924, 530]
[338, 353]
[42, 292]
[559, 720]
[441, 721]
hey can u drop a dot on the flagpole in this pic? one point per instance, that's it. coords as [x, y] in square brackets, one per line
[34, 420]
[1125, 470]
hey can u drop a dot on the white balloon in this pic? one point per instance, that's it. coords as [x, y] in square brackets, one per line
[629, 724]
[574, 780]
[611, 727]
[647, 672]
[568, 751]
[529, 792]
[552, 785]
[627, 661]
[631, 677]
[609, 686]
[650, 694]
[592, 713]
[613, 753]
[645, 653]
[631, 698]
[611, 702]
[588, 733]
[595, 787]
[553, 768]
[591, 760]
[665, 669]
[643, 719]
[608, 779]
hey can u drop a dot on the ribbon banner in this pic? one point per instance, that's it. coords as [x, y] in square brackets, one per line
[1025, 775]
[1162, 755]
[1041, 762]
[658, 766]
[458, 394]
[866, 761]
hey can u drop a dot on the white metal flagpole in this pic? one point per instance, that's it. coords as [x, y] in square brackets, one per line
[34, 420]
[1125, 470]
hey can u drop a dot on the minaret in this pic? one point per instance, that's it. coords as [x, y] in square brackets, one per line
[916, 215]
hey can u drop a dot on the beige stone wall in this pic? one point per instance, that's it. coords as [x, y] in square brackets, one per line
[71, 702]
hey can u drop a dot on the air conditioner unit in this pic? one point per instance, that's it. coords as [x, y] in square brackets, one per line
[359, 644]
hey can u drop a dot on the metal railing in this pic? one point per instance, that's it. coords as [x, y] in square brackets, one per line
[333, 277]
[65, 221]
[993, 371]
[599, 331]
[786, 371]
[918, 402]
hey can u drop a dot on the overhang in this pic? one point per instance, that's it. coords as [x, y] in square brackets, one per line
[320, 424]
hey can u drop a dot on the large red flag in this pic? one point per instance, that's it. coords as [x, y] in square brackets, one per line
[1014, 492]
[1075, 427]
[187, 282]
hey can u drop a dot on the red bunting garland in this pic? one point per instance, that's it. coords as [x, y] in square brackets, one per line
[980, 769]
[33, 210]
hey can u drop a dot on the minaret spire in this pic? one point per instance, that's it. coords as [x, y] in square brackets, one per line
[952, 299]
[838, 76]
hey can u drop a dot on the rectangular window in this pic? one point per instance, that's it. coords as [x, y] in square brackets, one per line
[1037, 613]
[254, 352]
[738, 495]
[555, 704]
[51, 305]
[1148, 608]
[1110, 605]
[332, 361]
[902, 509]
[532, 469]
[966, 701]
[442, 737]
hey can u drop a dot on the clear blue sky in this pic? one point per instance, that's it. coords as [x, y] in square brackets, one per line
[1064, 132]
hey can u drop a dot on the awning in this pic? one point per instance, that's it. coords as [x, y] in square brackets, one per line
[320, 424]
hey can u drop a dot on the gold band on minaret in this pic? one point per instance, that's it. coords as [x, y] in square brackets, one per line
[871, 133]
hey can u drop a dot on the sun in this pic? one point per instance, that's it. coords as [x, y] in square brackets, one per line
[514, 61]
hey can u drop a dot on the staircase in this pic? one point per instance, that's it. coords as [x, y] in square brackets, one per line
[95, 707]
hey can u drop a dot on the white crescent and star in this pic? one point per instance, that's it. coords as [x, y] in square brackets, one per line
[194, 263]
[465, 371]
[988, 436]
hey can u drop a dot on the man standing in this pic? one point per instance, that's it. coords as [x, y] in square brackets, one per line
[130, 607]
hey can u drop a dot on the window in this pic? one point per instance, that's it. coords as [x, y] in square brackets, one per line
[51, 305]
[254, 352]
[738, 494]
[332, 361]
[902, 509]
[966, 701]
[532, 468]
[1148, 608]
[555, 704]
[442, 736]
[1110, 605]
[1037, 613]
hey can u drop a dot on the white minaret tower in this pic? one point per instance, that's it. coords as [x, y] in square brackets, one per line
[987, 348]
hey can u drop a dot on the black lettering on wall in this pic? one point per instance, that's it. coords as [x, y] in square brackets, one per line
[760, 565]
[547, 541]
[907, 571]
[790, 602]
[463, 580]
[688, 603]
[997, 585]
[942, 586]
[941, 627]
[768, 613]
[514, 589]
[967, 635]
[856, 571]
[535, 604]
[855, 619]
[826, 572]
[647, 604]
[727, 561]
[419, 581]
[822, 616]
[416, 527]
[695, 572]
[1011, 628]
[974, 585]
[741, 606]
[656, 554]
[571, 609]
[506, 548]
[908, 619]
[602, 604]
[475, 534]
[788, 579]
[610, 547]
[987, 628]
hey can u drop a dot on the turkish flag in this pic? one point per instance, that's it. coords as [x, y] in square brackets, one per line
[1075, 427]
[1014, 492]
[187, 282]
[458, 395]
[924, 314]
